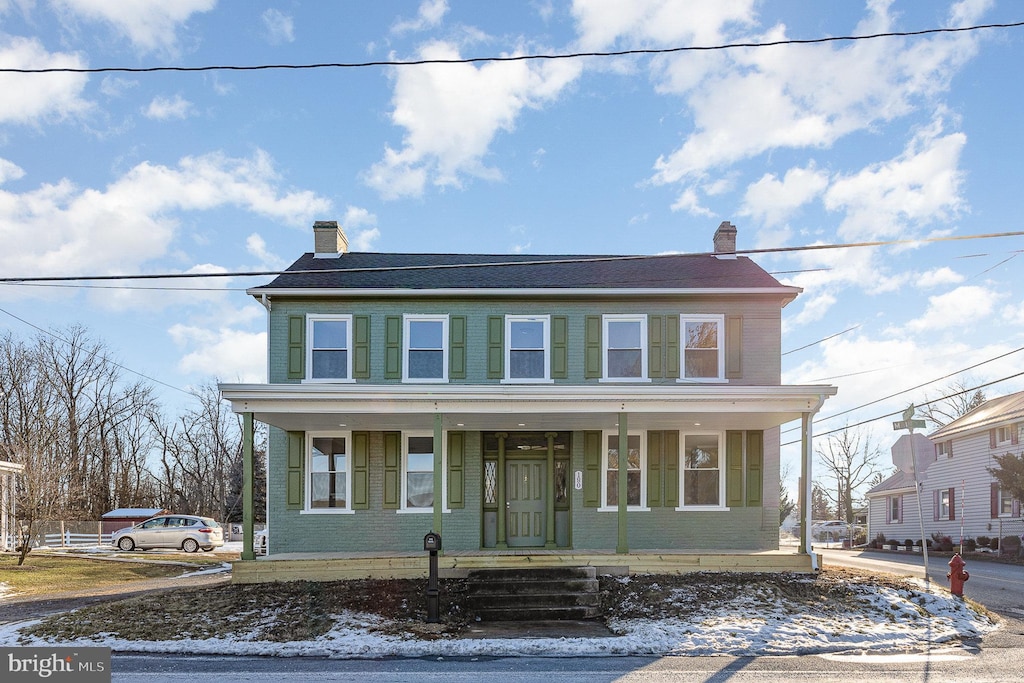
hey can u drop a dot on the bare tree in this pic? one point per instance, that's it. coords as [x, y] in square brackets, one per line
[956, 401]
[850, 461]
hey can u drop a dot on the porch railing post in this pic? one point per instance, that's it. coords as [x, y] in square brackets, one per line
[501, 542]
[248, 482]
[439, 497]
[549, 509]
[623, 542]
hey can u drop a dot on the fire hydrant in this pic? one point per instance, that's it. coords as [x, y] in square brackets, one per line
[957, 576]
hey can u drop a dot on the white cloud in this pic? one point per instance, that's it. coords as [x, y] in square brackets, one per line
[807, 96]
[937, 277]
[360, 228]
[55, 97]
[10, 171]
[164, 108]
[257, 246]
[966, 306]
[150, 25]
[921, 185]
[772, 201]
[115, 86]
[602, 23]
[430, 14]
[280, 27]
[1014, 313]
[231, 355]
[56, 227]
[452, 112]
[689, 201]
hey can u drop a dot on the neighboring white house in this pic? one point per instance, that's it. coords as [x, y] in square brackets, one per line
[8, 472]
[958, 491]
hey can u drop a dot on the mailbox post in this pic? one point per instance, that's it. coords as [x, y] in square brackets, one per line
[432, 543]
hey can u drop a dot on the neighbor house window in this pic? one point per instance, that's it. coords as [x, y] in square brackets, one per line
[329, 480]
[944, 504]
[702, 482]
[625, 347]
[426, 353]
[702, 347]
[1005, 503]
[943, 449]
[895, 509]
[328, 356]
[1004, 435]
[527, 355]
[632, 463]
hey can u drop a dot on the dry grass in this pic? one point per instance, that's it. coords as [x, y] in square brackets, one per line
[45, 573]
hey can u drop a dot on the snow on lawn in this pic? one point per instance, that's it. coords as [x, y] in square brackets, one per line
[883, 620]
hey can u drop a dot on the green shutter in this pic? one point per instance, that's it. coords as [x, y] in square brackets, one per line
[361, 347]
[393, 347]
[672, 347]
[655, 346]
[360, 470]
[495, 347]
[592, 469]
[559, 347]
[671, 469]
[592, 343]
[392, 469]
[755, 468]
[296, 346]
[734, 469]
[733, 344]
[655, 467]
[296, 456]
[457, 347]
[456, 469]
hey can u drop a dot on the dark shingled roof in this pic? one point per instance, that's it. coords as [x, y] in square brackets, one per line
[367, 270]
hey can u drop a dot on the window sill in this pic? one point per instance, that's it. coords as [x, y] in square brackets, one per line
[327, 511]
[629, 508]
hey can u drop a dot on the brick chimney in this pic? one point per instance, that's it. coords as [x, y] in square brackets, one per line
[329, 239]
[725, 240]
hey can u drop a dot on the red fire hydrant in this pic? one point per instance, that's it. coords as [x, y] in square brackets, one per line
[957, 576]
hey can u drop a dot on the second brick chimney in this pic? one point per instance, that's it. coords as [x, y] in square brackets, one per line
[329, 239]
[725, 240]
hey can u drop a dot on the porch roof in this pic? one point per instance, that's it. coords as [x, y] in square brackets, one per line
[327, 407]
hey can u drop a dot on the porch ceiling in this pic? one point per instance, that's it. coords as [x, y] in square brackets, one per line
[321, 407]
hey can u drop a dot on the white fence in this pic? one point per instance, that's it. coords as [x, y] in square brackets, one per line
[69, 539]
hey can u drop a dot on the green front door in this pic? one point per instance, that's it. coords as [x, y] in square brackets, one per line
[526, 505]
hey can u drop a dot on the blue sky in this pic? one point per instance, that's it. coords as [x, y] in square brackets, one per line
[225, 171]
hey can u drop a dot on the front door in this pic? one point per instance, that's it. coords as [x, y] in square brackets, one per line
[525, 485]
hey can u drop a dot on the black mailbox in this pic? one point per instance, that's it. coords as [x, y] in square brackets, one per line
[432, 541]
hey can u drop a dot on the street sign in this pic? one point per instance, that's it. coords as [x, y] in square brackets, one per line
[908, 424]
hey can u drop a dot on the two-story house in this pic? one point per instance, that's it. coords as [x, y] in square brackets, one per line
[558, 406]
[958, 493]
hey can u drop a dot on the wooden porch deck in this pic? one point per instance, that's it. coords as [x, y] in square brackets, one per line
[455, 564]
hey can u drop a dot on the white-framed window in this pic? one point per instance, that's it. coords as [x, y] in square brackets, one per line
[943, 449]
[703, 480]
[636, 472]
[1004, 435]
[895, 509]
[328, 353]
[944, 512]
[1005, 503]
[527, 352]
[418, 471]
[625, 347]
[329, 472]
[702, 347]
[425, 358]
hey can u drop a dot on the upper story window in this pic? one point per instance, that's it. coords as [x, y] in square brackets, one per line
[328, 355]
[1004, 435]
[702, 347]
[625, 347]
[703, 482]
[943, 449]
[632, 463]
[426, 352]
[329, 483]
[527, 353]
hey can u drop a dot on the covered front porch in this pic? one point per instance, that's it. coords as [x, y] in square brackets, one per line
[455, 564]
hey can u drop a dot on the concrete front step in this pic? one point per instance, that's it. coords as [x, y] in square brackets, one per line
[550, 593]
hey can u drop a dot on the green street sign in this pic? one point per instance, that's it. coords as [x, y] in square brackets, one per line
[908, 424]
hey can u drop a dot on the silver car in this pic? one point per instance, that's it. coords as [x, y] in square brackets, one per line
[187, 532]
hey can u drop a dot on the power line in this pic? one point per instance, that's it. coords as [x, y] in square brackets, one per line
[831, 336]
[516, 58]
[505, 264]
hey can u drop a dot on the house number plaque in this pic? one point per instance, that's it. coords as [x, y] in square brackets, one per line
[577, 480]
